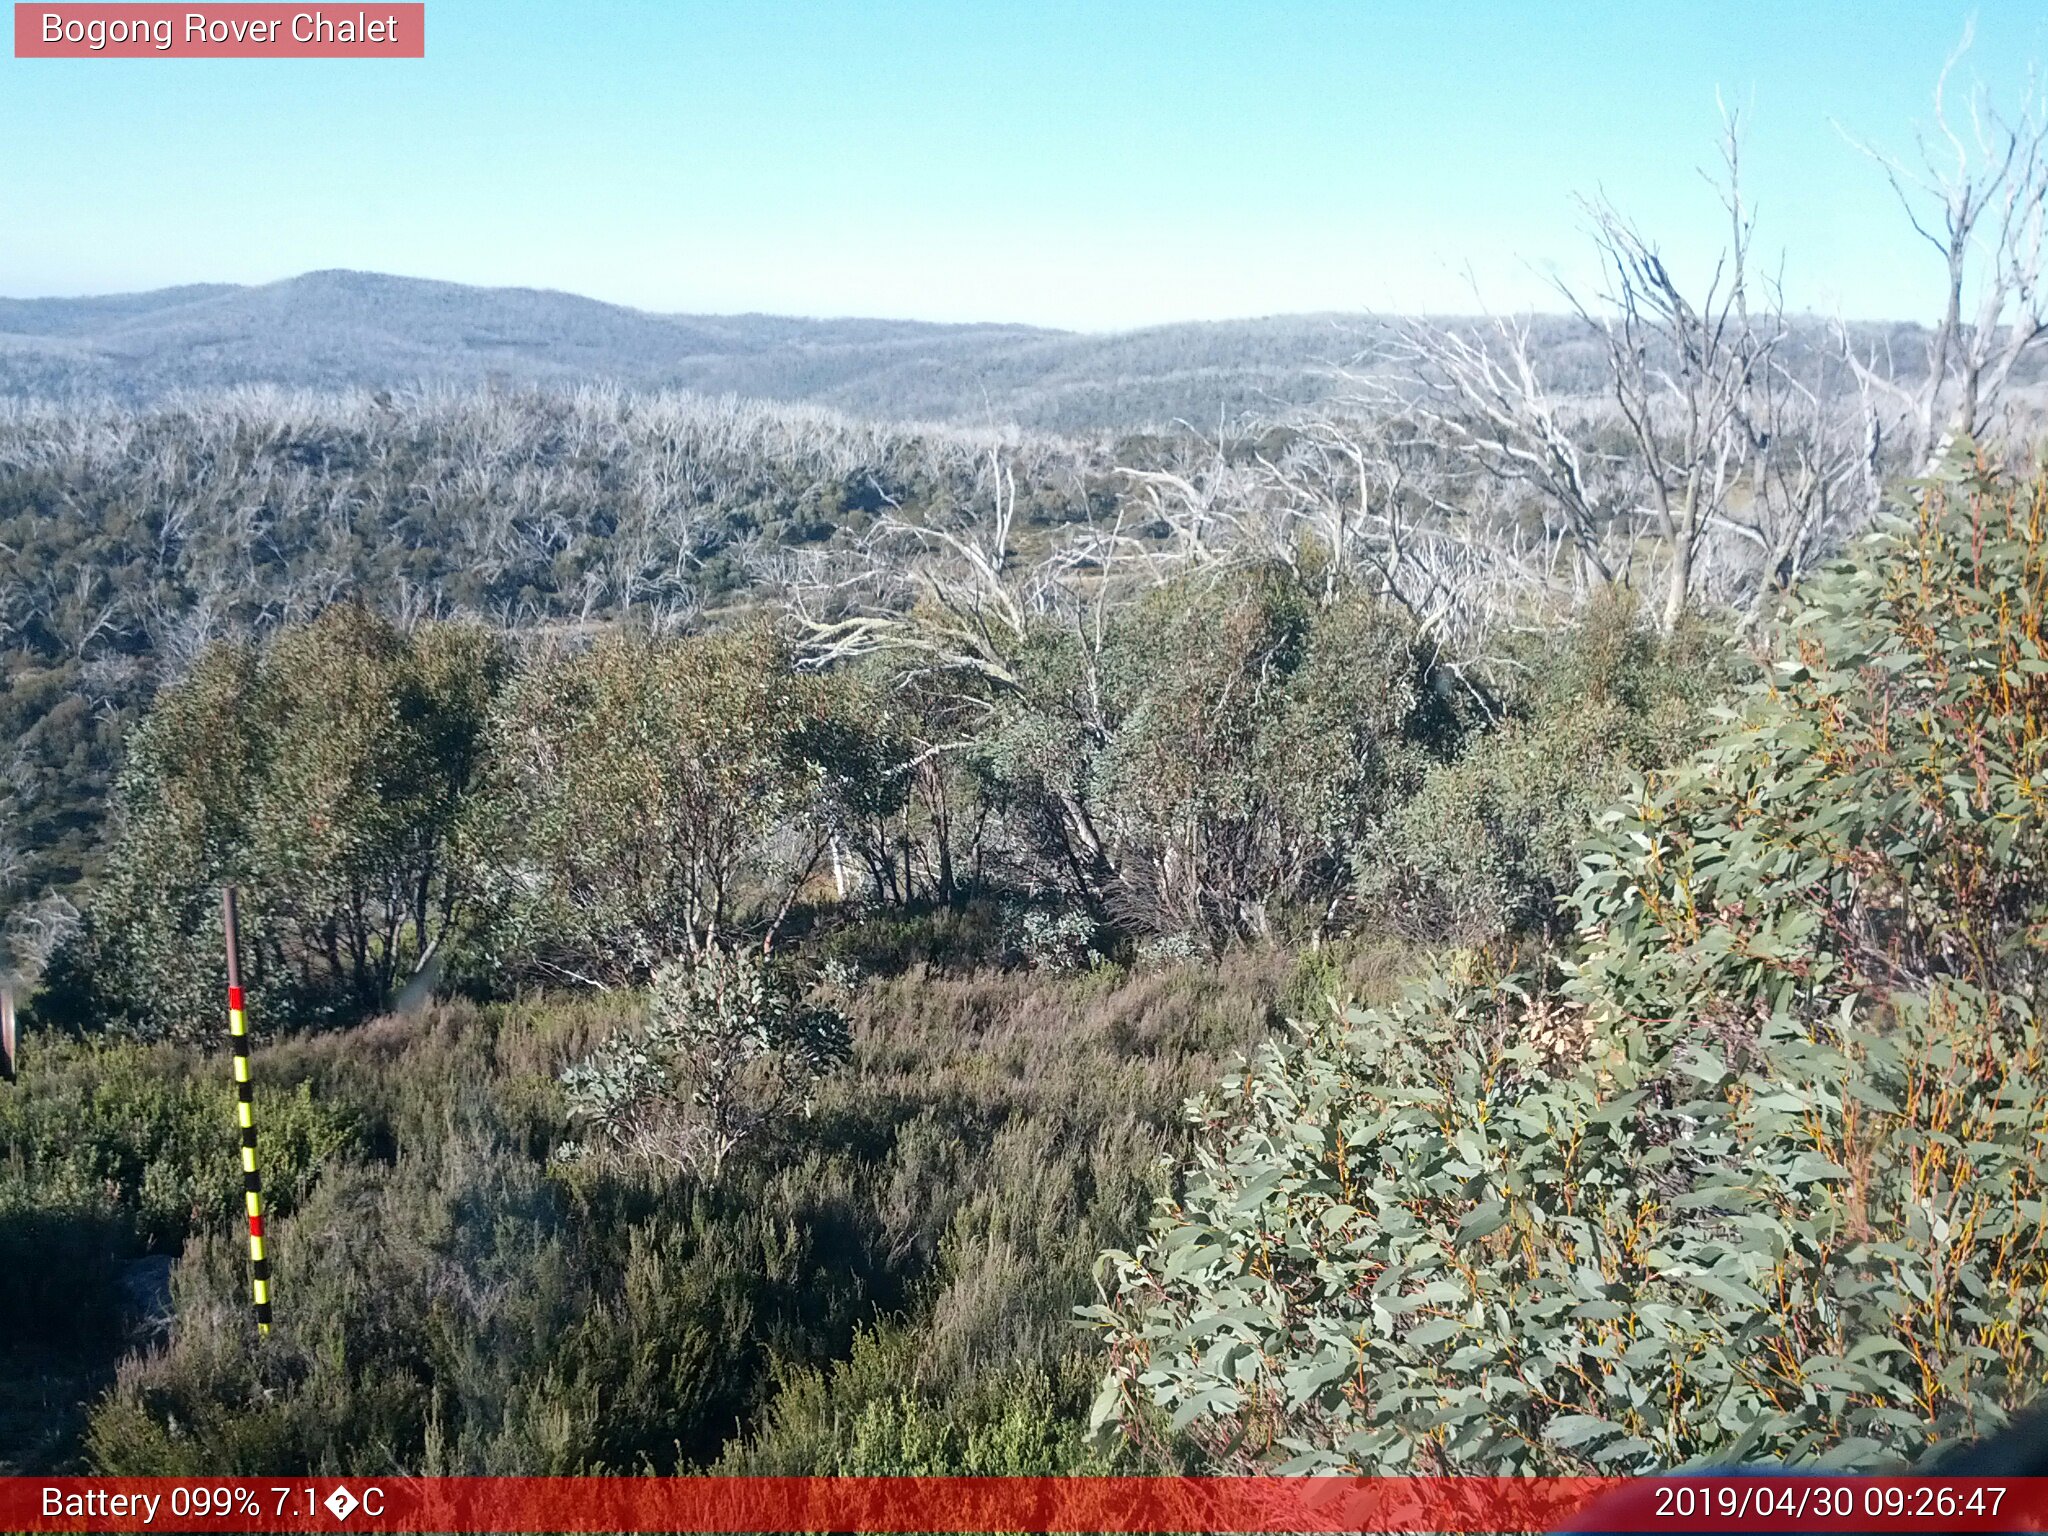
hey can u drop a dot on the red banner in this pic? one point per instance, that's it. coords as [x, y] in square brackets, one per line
[1110, 1504]
[372, 30]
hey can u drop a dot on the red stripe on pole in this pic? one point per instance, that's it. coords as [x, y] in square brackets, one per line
[234, 997]
[1109, 1504]
[255, 1226]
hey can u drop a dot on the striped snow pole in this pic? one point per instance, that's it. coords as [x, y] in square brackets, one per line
[252, 1181]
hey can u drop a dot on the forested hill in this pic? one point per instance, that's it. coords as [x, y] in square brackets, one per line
[330, 330]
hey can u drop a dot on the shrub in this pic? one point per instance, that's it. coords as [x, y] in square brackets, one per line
[1487, 846]
[1256, 733]
[732, 1048]
[959, 939]
[147, 1136]
[110, 1150]
[451, 1300]
[651, 798]
[325, 773]
[1759, 1175]
[1062, 940]
[461, 1311]
[866, 1417]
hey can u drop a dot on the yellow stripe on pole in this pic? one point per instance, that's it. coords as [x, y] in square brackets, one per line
[238, 1027]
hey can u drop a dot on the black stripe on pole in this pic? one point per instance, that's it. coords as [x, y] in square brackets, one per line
[245, 1117]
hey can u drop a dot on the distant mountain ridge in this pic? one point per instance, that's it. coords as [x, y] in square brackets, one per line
[338, 330]
[342, 329]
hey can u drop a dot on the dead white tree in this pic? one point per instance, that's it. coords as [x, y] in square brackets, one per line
[1479, 388]
[952, 612]
[1814, 475]
[1743, 461]
[1976, 191]
[33, 934]
[933, 598]
[1681, 371]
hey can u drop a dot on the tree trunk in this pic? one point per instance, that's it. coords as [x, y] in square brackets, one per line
[1679, 586]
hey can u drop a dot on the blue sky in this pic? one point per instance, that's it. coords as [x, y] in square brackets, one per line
[1094, 165]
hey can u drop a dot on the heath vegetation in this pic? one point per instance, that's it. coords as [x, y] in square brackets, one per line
[1485, 920]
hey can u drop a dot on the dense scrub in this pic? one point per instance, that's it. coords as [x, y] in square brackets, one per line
[880, 1279]
[885, 1282]
[1238, 758]
[112, 1156]
[1487, 845]
[133, 547]
[129, 541]
[1055, 881]
[1753, 1168]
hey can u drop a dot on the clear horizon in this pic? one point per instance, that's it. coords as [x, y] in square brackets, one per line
[1555, 311]
[1066, 166]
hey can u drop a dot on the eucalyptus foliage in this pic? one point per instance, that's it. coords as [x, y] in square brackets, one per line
[649, 797]
[1254, 732]
[1756, 1172]
[732, 1046]
[1487, 845]
[327, 774]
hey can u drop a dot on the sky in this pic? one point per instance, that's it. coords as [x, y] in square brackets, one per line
[1095, 165]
